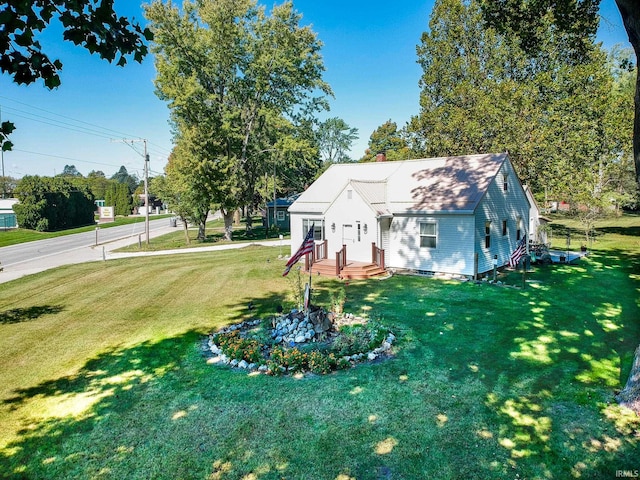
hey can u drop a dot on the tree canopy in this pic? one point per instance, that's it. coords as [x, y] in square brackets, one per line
[390, 140]
[335, 138]
[531, 21]
[560, 119]
[241, 85]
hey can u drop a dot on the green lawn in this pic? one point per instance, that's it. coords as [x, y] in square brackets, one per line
[102, 374]
[214, 234]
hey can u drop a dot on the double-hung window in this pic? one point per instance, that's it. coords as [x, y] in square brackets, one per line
[428, 234]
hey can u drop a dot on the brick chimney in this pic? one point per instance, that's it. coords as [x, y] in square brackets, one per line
[381, 157]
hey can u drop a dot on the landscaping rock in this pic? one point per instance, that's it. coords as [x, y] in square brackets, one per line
[243, 364]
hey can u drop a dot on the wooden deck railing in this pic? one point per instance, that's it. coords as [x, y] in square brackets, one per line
[377, 255]
[341, 260]
[321, 251]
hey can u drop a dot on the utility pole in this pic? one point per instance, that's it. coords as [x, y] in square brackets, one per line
[146, 192]
[2, 151]
[146, 183]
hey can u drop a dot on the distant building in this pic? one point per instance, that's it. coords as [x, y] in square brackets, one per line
[7, 215]
[278, 212]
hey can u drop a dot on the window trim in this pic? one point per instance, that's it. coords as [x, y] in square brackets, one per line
[518, 229]
[318, 230]
[433, 236]
[280, 215]
[487, 234]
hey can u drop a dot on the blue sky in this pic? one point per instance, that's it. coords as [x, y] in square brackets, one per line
[370, 59]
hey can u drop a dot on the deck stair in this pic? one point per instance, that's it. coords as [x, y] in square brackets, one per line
[351, 271]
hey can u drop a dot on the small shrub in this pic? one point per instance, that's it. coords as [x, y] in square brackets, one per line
[355, 339]
[293, 359]
[236, 347]
[319, 363]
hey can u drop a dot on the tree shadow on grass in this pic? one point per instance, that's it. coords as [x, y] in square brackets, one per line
[19, 315]
[109, 384]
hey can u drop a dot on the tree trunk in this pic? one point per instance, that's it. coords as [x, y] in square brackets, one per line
[186, 230]
[630, 396]
[630, 12]
[202, 230]
[228, 214]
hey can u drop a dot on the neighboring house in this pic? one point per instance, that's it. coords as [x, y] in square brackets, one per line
[537, 223]
[278, 214]
[7, 215]
[448, 215]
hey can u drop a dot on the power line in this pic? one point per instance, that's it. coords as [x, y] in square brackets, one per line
[68, 118]
[53, 123]
[97, 130]
[65, 158]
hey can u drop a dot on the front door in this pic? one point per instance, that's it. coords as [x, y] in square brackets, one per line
[347, 235]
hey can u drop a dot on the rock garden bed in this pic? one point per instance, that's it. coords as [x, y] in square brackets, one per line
[315, 341]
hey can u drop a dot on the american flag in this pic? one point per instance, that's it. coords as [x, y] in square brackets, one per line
[307, 247]
[519, 252]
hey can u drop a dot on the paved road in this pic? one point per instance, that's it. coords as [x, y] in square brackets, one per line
[32, 257]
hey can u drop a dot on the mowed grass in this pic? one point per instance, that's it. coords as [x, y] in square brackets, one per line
[102, 375]
[214, 234]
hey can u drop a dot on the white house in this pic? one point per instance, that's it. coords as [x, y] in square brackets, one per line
[537, 232]
[450, 215]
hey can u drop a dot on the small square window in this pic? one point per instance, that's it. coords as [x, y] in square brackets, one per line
[280, 215]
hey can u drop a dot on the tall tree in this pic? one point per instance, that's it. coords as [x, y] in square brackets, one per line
[473, 95]
[578, 21]
[123, 176]
[481, 93]
[389, 140]
[335, 138]
[70, 171]
[230, 72]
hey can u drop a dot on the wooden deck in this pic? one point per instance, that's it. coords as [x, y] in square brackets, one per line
[351, 271]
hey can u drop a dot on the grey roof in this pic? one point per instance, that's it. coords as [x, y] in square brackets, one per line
[444, 184]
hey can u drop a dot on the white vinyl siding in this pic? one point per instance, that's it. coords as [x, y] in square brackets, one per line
[454, 244]
[496, 206]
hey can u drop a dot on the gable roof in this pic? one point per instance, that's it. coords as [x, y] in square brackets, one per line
[431, 185]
